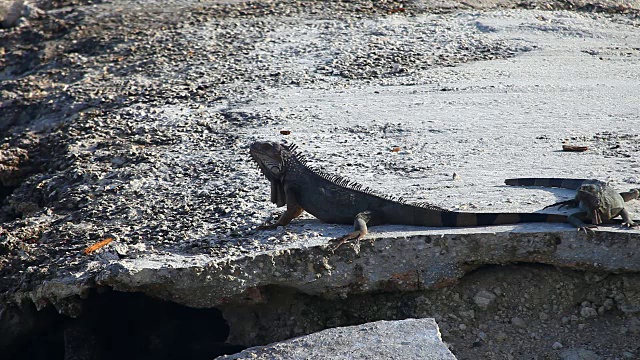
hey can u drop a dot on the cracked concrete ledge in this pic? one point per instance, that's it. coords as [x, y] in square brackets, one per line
[401, 259]
[405, 339]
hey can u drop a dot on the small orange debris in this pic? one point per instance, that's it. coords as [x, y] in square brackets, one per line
[97, 245]
[574, 148]
[396, 149]
[285, 132]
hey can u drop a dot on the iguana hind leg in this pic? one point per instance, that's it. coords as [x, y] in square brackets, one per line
[360, 227]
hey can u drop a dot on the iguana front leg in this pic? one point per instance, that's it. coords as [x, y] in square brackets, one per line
[626, 219]
[577, 220]
[293, 211]
[628, 196]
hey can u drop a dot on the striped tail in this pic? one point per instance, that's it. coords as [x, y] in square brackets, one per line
[457, 219]
[573, 184]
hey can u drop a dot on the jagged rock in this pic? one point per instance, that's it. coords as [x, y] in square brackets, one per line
[411, 339]
[11, 12]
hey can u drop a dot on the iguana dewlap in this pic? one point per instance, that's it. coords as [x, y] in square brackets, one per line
[333, 199]
[597, 202]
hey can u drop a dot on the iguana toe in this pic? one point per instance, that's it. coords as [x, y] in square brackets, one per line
[588, 229]
[355, 235]
[268, 227]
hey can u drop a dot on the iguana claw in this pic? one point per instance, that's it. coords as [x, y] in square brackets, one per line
[630, 224]
[355, 235]
[588, 229]
[268, 227]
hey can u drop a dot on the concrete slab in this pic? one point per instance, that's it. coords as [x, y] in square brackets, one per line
[404, 339]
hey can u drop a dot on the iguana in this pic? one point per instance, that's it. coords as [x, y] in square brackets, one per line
[334, 199]
[598, 202]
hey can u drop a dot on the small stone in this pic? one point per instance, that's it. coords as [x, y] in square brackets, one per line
[121, 249]
[627, 355]
[543, 316]
[484, 299]
[502, 336]
[516, 321]
[556, 345]
[608, 304]
[462, 327]
[118, 161]
[565, 320]
[588, 312]
[468, 314]
[482, 335]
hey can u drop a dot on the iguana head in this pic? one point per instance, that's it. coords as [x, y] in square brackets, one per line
[594, 198]
[271, 157]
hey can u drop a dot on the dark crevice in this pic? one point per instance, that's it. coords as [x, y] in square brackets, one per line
[6, 214]
[5, 191]
[116, 325]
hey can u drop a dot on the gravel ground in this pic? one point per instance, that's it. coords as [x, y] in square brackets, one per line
[132, 121]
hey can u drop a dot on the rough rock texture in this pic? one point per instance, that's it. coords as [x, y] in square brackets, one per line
[395, 261]
[405, 339]
[532, 308]
[131, 121]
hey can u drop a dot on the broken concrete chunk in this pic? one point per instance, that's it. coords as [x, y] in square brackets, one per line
[403, 339]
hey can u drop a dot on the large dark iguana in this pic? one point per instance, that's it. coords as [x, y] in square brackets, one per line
[333, 199]
[598, 202]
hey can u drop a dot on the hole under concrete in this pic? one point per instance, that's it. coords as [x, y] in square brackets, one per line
[515, 311]
[117, 325]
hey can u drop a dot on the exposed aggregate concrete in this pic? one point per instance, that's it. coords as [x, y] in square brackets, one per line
[132, 122]
[407, 339]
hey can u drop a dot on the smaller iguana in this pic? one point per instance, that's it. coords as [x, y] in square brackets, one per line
[335, 200]
[598, 202]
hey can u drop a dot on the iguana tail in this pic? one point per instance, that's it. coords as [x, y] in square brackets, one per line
[573, 184]
[414, 215]
[457, 219]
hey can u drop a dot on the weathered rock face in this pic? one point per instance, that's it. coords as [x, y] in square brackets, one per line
[406, 339]
[533, 307]
[409, 261]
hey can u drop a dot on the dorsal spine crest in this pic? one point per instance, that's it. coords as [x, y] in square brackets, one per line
[349, 184]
